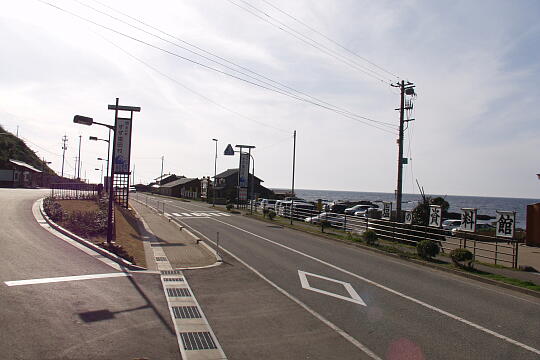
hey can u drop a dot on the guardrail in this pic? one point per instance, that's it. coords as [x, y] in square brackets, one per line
[485, 248]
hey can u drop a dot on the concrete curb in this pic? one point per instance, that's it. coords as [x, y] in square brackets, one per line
[182, 227]
[419, 262]
[88, 244]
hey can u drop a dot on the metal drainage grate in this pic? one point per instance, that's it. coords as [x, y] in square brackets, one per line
[161, 258]
[173, 279]
[198, 340]
[178, 292]
[186, 312]
[171, 272]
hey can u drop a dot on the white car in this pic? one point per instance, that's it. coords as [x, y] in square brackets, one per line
[451, 224]
[357, 208]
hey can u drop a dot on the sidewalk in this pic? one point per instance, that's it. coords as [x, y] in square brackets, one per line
[181, 249]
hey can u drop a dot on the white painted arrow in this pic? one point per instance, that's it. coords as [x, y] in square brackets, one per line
[355, 298]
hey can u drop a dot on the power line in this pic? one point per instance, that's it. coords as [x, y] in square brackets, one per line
[330, 39]
[227, 61]
[313, 43]
[191, 90]
[217, 70]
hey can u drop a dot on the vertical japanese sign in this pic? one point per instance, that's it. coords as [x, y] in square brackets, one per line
[435, 216]
[408, 217]
[506, 224]
[243, 175]
[122, 146]
[387, 210]
[468, 220]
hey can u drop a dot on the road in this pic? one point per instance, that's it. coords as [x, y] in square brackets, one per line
[402, 310]
[114, 317]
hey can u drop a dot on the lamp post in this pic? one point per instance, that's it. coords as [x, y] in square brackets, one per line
[84, 120]
[94, 138]
[215, 173]
[252, 181]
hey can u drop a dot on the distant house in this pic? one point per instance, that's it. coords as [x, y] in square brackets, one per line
[184, 187]
[227, 183]
[20, 174]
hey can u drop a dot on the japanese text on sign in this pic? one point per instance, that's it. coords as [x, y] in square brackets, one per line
[468, 220]
[122, 146]
[435, 216]
[387, 210]
[505, 224]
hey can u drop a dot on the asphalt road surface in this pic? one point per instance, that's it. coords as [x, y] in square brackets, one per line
[386, 307]
[114, 317]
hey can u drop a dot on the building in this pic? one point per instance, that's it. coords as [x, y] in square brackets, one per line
[227, 183]
[183, 187]
[20, 174]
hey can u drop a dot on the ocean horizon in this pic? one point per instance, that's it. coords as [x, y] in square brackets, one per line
[486, 205]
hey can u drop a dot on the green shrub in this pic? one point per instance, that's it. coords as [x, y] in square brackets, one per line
[427, 249]
[271, 214]
[461, 257]
[229, 207]
[370, 237]
[87, 223]
[53, 209]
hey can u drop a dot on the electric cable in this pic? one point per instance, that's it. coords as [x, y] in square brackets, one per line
[212, 68]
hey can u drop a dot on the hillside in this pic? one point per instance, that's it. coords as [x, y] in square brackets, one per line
[12, 147]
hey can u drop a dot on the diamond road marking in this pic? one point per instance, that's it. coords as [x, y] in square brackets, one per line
[355, 298]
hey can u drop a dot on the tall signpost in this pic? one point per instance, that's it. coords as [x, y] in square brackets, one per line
[120, 160]
[243, 173]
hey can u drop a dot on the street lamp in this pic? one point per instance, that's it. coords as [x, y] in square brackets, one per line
[94, 138]
[215, 173]
[84, 120]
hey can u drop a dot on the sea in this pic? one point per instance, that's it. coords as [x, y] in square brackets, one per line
[485, 205]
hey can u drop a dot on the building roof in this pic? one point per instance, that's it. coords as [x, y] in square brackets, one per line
[182, 181]
[25, 165]
[230, 172]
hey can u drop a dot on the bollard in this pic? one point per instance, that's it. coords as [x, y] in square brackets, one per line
[217, 243]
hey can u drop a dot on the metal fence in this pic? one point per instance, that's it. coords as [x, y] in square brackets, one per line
[74, 191]
[488, 249]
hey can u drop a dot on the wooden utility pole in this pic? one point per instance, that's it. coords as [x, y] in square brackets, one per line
[293, 168]
[406, 88]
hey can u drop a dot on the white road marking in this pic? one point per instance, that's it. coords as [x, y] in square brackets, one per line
[355, 298]
[63, 278]
[167, 214]
[186, 214]
[395, 292]
[176, 214]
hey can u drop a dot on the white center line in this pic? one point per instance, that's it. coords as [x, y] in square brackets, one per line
[64, 278]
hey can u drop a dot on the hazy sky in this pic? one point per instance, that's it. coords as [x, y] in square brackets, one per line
[475, 65]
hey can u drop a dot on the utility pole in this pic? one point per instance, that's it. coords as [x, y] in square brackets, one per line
[79, 163]
[161, 177]
[406, 88]
[64, 148]
[293, 168]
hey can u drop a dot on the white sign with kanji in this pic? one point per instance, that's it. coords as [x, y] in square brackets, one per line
[408, 217]
[505, 224]
[468, 220]
[435, 216]
[387, 210]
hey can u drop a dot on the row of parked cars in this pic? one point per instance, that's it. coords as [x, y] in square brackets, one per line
[302, 209]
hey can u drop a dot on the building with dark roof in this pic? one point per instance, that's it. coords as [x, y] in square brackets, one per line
[20, 174]
[184, 187]
[227, 183]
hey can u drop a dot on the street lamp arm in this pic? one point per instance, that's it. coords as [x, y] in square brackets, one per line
[106, 125]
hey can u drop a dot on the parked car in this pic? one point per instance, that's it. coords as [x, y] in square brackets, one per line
[336, 220]
[359, 207]
[337, 208]
[451, 224]
[267, 204]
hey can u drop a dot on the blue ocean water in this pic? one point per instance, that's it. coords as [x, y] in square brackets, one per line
[485, 205]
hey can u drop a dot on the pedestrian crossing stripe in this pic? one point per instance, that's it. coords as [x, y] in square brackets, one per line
[200, 214]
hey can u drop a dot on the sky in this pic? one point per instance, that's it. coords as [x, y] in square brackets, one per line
[474, 65]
